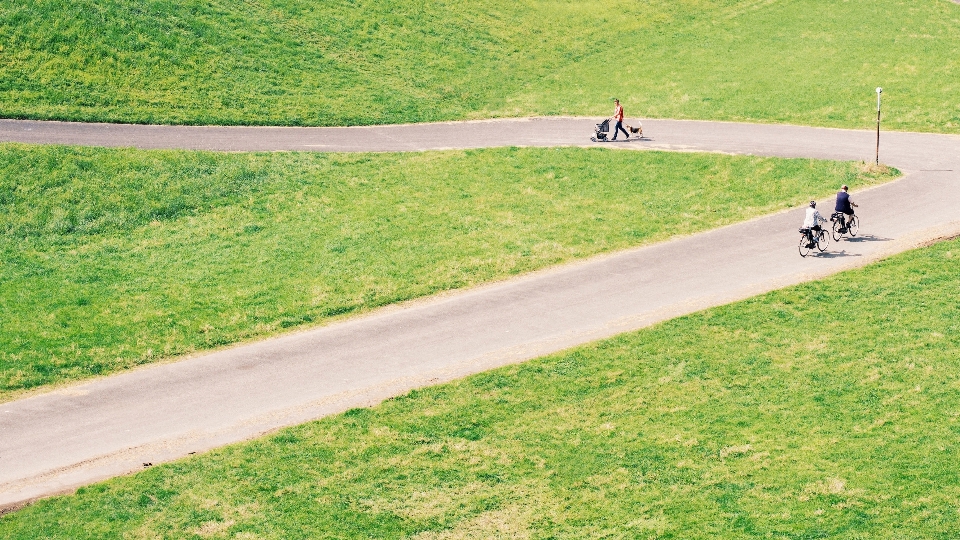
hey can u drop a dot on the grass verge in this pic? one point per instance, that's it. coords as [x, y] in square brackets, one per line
[348, 62]
[810, 412]
[114, 258]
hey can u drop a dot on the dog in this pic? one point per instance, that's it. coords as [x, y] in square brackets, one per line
[638, 131]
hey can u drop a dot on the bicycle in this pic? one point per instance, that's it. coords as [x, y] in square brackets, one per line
[838, 230]
[810, 239]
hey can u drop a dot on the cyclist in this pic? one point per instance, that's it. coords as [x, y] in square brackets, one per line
[811, 222]
[845, 206]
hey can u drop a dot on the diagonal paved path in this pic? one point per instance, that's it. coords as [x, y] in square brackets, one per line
[73, 436]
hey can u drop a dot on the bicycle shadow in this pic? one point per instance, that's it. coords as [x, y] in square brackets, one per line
[865, 238]
[836, 254]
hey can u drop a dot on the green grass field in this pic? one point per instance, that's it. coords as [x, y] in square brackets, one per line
[339, 62]
[812, 412]
[114, 258]
[815, 411]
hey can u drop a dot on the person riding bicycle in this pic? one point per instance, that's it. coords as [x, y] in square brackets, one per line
[811, 222]
[845, 206]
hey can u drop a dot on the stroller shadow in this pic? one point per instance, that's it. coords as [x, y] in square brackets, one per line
[866, 238]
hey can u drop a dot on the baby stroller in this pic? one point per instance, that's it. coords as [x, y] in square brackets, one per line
[603, 128]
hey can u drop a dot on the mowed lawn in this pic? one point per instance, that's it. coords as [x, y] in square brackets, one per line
[347, 62]
[825, 410]
[115, 258]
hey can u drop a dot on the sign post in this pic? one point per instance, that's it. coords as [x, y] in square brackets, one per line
[879, 91]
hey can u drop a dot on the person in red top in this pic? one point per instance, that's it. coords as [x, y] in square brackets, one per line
[618, 116]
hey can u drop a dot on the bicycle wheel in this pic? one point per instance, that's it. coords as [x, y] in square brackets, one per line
[804, 245]
[823, 240]
[836, 229]
[854, 226]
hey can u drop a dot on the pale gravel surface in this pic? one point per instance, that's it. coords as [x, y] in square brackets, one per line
[73, 436]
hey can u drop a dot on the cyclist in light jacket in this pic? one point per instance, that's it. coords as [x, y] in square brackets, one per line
[812, 220]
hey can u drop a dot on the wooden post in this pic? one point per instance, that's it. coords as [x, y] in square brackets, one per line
[879, 91]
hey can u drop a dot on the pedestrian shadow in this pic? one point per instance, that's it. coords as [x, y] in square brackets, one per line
[865, 238]
[625, 141]
[836, 254]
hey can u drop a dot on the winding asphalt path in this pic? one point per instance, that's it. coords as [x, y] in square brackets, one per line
[73, 436]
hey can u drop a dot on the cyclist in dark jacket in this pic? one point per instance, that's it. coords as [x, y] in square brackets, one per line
[845, 206]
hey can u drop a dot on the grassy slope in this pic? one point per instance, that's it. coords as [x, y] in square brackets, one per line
[811, 412]
[339, 62]
[113, 258]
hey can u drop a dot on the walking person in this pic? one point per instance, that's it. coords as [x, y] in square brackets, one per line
[618, 116]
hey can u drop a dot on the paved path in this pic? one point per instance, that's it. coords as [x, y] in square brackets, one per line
[73, 436]
[907, 149]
